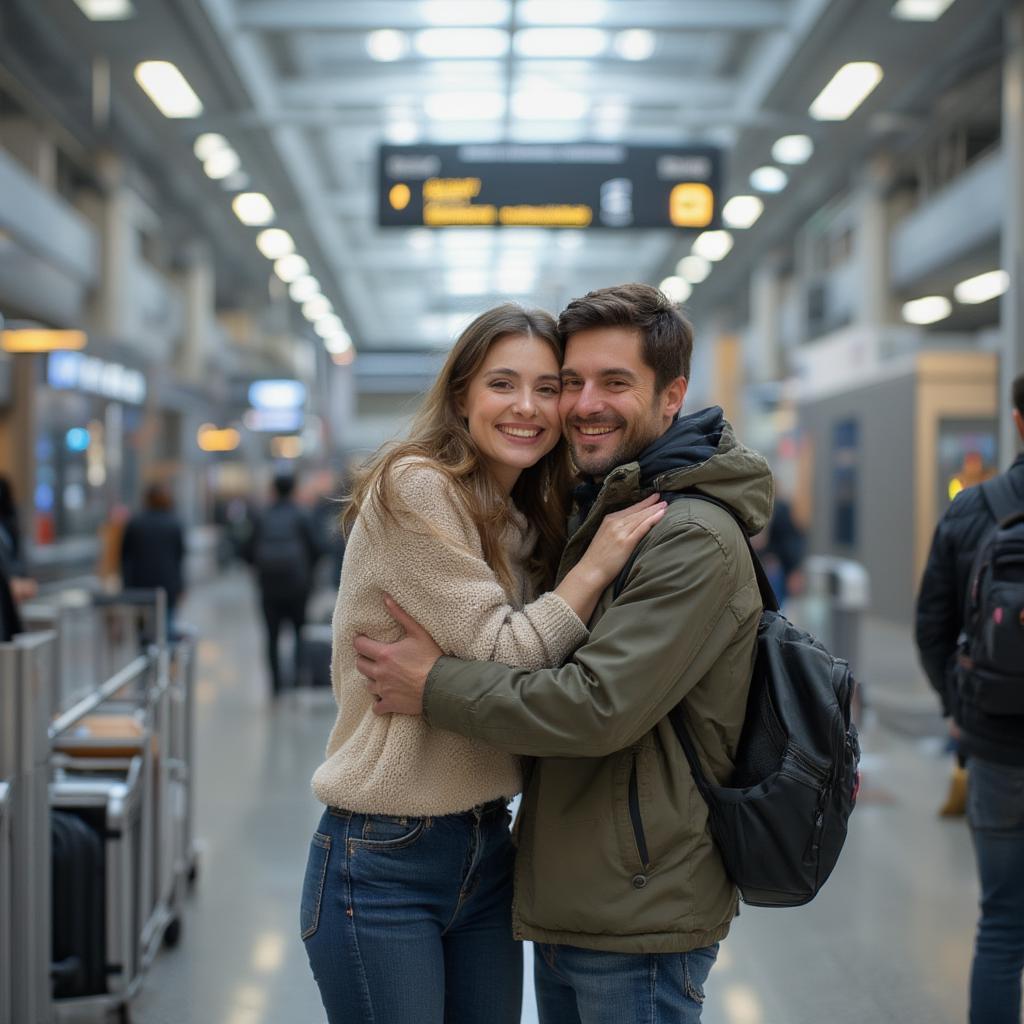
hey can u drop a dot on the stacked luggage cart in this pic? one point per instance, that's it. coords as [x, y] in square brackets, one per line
[96, 844]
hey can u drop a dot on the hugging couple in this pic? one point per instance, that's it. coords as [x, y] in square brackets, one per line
[487, 642]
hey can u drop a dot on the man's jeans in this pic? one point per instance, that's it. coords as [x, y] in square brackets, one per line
[409, 919]
[585, 986]
[995, 809]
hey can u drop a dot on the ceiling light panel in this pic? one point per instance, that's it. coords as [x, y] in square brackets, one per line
[849, 87]
[564, 43]
[982, 288]
[927, 310]
[465, 12]
[328, 325]
[317, 307]
[289, 268]
[768, 179]
[478, 43]
[635, 44]
[253, 209]
[920, 10]
[208, 144]
[742, 211]
[106, 10]
[302, 289]
[168, 88]
[694, 268]
[222, 164]
[793, 149]
[562, 12]
[464, 106]
[387, 45]
[275, 243]
[713, 245]
[675, 289]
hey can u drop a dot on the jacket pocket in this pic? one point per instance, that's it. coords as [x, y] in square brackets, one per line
[313, 884]
[635, 817]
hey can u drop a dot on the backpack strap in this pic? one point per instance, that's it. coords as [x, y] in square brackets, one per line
[768, 598]
[1001, 497]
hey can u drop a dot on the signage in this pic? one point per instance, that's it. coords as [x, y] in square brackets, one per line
[276, 421]
[565, 185]
[78, 372]
[277, 394]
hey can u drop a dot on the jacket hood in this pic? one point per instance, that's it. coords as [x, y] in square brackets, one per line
[699, 450]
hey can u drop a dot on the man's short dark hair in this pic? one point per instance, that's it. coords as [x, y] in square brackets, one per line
[284, 485]
[666, 336]
[1017, 391]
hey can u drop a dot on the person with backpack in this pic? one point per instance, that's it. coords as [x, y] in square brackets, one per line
[619, 880]
[970, 637]
[283, 548]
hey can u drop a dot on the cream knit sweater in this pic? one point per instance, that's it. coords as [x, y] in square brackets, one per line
[431, 562]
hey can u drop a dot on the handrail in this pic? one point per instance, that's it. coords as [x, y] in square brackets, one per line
[77, 712]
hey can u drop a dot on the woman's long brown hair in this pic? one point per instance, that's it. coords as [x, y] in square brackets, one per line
[439, 433]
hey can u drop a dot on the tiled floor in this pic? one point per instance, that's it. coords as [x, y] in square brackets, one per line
[888, 940]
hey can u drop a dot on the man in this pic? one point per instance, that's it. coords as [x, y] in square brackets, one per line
[993, 744]
[284, 549]
[617, 879]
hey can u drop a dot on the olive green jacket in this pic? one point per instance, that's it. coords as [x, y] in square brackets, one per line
[614, 849]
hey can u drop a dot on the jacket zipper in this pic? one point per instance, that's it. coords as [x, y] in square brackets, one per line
[634, 816]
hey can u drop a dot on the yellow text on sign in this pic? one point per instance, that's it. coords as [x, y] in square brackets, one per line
[399, 196]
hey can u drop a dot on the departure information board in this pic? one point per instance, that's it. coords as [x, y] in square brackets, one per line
[570, 185]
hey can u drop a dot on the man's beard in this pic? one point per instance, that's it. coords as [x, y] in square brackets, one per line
[635, 438]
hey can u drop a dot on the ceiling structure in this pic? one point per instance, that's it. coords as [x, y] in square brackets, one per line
[303, 94]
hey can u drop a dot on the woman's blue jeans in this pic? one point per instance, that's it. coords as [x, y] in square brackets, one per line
[409, 919]
[995, 809]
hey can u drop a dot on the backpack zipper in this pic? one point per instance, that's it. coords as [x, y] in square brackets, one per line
[634, 816]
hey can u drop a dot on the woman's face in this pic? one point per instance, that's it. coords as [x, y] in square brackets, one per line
[511, 406]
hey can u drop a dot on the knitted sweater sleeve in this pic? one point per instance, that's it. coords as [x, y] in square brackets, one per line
[428, 557]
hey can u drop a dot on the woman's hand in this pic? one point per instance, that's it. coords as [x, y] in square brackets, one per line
[617, 538]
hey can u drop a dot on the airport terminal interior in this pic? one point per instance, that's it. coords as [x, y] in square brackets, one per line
[238, 239]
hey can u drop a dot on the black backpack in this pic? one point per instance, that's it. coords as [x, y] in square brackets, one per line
[280, 552]
[781, 822]
[990, 661]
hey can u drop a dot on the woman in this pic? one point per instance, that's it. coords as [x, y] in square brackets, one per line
[407, 895]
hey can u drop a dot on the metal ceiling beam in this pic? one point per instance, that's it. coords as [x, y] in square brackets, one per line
[684, 15]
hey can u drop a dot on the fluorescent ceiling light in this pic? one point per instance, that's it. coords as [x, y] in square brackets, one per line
[920, 10]
[338, 342]
[465, 12]
[793, 149]
[464, 106]
[713, 245]
[564, 43]
[387, 44]
[478, 43]
[675, 289]
[693, 269]
[221, 164]
[742, 211]
[167, 87]
[550, 106]
[302, 289]
[635, 44]
[850, 86]
[275, 243]
[253, 208]
[106, 10]
[290, 267]
[562, 12]
[927, 310]
[207, 144]
[328, 325]
[769, 179]
[317, 307]
[402, 133]
[982, 288]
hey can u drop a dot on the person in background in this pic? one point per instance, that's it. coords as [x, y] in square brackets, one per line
[10, 620]
[284, 548]
[781, 547]
[153, 549]
[21, 586]
[992, 744]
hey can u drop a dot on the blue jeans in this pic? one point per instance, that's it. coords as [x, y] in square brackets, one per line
[995, 809]
[409, 919]
[586, 986]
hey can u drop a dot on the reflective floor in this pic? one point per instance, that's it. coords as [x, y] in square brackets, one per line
[888, 939]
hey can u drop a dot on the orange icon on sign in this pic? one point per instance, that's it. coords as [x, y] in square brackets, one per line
[399, 196]
[691, 205]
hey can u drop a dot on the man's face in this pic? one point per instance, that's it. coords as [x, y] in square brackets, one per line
[609, 408]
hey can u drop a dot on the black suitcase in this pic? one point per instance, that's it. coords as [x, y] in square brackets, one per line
[79, 915]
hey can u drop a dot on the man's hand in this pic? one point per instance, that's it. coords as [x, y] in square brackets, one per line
[397, 672]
